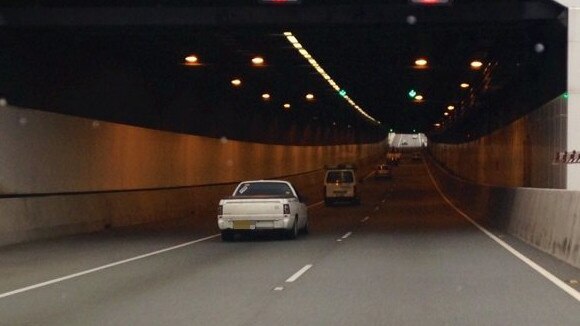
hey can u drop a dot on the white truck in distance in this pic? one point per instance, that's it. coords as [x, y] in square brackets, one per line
[260, 206]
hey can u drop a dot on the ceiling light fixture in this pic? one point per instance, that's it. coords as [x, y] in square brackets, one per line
[266, 96]
[258, 61]
[421, 62]
[451, 108]
[236, 82]
[294, 41]
[191, 60]
[286, 105]
[310, 96]
[464, 85]
[476, 64]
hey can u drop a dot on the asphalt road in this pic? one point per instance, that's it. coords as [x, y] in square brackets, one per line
[403, 257]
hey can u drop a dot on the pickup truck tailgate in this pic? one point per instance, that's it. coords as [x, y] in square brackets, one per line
[255, 208]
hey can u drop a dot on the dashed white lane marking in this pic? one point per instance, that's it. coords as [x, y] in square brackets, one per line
[299, 273]
[365, 219]
[96, 269]
[559, 283]
[346, 235]
[279, 288]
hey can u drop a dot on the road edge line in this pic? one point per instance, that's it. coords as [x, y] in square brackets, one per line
[539, 269]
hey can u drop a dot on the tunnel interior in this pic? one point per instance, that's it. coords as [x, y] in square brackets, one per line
[133, 71]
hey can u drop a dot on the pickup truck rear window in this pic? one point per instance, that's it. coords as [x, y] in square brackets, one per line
[339, 176]
[264, 189]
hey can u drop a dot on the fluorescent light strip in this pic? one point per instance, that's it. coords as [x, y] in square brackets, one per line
[294, 41]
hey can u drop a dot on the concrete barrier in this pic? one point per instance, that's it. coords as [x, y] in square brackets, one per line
[548, 219]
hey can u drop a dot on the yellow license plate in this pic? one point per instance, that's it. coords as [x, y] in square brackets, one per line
[244, 225]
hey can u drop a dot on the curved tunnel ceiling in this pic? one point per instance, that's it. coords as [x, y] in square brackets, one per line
[127, 64]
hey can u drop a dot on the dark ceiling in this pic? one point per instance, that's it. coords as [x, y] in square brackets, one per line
[124, 63]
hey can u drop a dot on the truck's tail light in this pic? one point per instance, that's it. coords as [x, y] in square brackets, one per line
[220, 210]
[286, 209]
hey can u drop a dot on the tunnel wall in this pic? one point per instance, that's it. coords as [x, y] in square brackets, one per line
[518, 155]
[63, 175]
[548, 219]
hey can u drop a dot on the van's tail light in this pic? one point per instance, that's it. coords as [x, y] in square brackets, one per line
[220, 210]
[286, 209]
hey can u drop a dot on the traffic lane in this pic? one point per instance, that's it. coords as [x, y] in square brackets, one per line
[195, 282]
[213, 283]
[31, 263]
[411, 278]
[418, 262]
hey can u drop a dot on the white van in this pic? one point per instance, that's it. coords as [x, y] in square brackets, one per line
[340, 185]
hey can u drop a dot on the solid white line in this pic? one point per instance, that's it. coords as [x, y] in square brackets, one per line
[298, 274]
[96, 269]
[346, 235]
[365, 178]
[559, 283]
[315, 204]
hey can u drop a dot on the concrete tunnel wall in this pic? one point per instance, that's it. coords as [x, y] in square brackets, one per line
[522, 154]
[64, 175]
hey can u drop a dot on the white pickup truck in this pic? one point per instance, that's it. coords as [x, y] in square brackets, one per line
[262, 205]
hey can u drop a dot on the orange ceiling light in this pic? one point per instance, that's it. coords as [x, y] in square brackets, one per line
[258, 61]
[476, 64]
[191, 60]
[421, 63]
